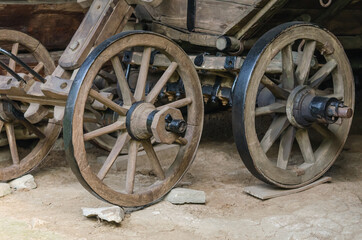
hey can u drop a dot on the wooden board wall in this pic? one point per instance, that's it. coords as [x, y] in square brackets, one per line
[212, 16]
[52, 24]
[219, 16]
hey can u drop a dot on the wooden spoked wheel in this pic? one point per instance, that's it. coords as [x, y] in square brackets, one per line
[284, 123]
[23, 145]
[141, 116]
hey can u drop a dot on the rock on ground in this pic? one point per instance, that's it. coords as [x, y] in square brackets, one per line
[36, 222]
[4, 189]
[184, 195]
[109, 214]
[25, 182]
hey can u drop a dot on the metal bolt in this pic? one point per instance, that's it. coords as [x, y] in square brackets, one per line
[74, 45]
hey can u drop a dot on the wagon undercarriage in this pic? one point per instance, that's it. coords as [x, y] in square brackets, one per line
[292, 95]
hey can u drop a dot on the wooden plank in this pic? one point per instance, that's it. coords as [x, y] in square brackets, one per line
[211, 63]
[246, 29]
[99, 15]
[222, 14]
[265, 191]
[42, 21]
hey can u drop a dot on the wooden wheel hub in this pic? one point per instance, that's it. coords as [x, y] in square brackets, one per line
[137, 120]
[159, 125]
[296, 105]
[143, 121]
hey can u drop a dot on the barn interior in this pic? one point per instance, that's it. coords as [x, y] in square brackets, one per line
[327, 211]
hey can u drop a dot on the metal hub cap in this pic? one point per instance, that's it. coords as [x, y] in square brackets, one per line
[304, 108]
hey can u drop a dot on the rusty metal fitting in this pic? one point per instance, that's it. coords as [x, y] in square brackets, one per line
[341, 112]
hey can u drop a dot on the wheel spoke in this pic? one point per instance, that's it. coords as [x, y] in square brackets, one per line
[305, 60]
[305, 145]
[182, 141]
[32, 128]
[9, 128]
[105, 130]
[142, 77]
[14, 51]
[122, 82]
[323, 130]
[285, 147]
[278, 125]
[288, 68]
[151, 97]
[277, 107]
[155, 163]
[322, 73]
[131, 167]
[177, 104]
[107, 102]
[277, 91]
[117, 148]
[37, 69]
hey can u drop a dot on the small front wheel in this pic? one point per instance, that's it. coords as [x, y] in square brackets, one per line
[293, 103]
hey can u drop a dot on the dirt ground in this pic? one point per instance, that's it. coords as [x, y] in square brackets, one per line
[328, 211]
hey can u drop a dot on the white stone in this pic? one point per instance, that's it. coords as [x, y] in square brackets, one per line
[36, 222]
[109, 214]
[4, 189]
[25, 182]
[184, 195]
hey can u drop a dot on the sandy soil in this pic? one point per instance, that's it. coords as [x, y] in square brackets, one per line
[328, 211]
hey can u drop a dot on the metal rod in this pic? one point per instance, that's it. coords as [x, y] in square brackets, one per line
[24, 65]
[12, 73]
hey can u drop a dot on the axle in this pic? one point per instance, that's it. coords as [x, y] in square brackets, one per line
[304, 108]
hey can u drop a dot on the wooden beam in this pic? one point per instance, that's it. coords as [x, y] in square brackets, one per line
[254, 23]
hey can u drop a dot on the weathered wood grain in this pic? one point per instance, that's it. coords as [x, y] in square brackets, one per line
[42, 21]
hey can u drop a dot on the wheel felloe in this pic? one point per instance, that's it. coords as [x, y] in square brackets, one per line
[290, 127]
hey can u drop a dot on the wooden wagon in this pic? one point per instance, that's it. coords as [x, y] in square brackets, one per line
[137, 74]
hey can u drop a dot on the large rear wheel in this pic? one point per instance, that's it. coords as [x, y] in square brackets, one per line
[138, 114]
